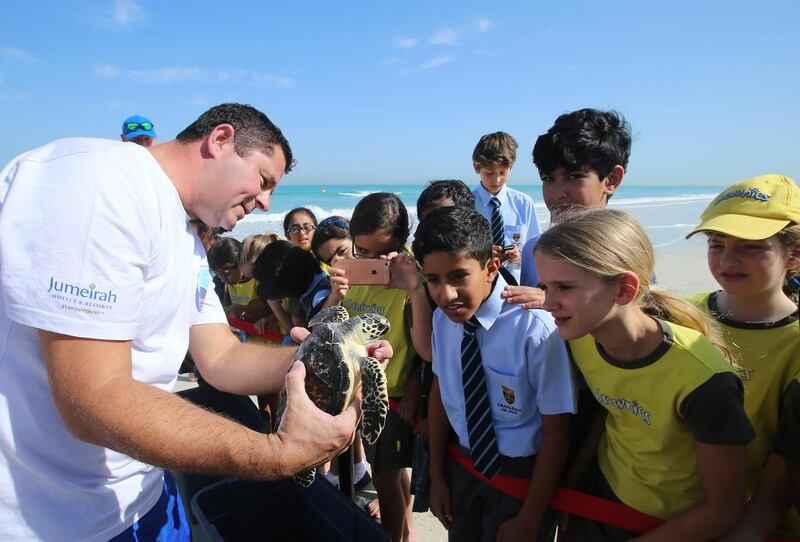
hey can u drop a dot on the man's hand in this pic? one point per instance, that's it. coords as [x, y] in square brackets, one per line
[308, 435]
[526, 296]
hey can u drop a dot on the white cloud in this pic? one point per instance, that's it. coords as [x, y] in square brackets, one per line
[429, 65]
[272, 80]
[453, 36]
[127, 12]
[446, 36]
[193, 73]
[168, 75]
[10, 53]
[106, 71]
[405, 42]
[267, 79]
[117, 14]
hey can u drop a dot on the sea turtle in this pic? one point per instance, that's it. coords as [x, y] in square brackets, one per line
[336, 361]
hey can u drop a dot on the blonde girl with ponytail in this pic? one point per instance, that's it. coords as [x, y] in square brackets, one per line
[671, 432]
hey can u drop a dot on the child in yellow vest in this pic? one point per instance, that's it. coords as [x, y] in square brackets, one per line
[379, 228]
[753, 248]
[670, 436]
[245, 293]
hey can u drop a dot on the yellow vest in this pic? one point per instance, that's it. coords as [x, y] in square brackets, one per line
[647, 451]
[246, 294]
[391, 304]
[767, 357]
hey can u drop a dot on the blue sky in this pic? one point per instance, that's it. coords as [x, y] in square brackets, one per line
[383, 92]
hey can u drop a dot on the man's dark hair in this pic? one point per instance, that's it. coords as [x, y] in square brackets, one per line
[224, 254]
[253, 131]
[495, 148]
[380, 211]
[284, 270]
[437, 190]
[454, 230]
[587, 138]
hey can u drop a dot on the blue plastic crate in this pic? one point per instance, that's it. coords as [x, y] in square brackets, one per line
[240, 510]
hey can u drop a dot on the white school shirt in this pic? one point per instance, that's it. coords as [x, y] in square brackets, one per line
[528, 275]
[526, 365]
[519, 215]
[94, 242]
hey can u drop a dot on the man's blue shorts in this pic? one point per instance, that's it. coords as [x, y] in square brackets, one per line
[165, 522]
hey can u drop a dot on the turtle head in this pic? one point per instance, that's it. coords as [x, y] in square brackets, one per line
[371, 326]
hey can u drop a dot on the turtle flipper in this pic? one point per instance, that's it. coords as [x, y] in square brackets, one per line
[334, 314]
[305, 478]
[375, 399]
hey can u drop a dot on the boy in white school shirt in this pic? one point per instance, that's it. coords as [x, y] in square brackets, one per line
[488, 486]
[492, 159]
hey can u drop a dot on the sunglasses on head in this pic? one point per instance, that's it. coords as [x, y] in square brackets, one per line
[133, 126]
[334, 221]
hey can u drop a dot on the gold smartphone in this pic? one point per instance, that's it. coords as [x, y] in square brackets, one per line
[365, 271]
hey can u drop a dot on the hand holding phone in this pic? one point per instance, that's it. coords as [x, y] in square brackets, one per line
[365, 271]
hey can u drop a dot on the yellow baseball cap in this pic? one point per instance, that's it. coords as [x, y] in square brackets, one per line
[753, 209]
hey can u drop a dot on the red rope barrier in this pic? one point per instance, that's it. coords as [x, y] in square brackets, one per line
[575, 502]
[250, 329]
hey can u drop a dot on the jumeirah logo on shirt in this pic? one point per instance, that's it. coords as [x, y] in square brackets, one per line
[78, 298]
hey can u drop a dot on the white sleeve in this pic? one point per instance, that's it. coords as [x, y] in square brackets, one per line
[76, 248]
[209, 307]
[528, 275]
[550, 374]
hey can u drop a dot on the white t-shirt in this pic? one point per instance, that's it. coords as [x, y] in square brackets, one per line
[94, 242]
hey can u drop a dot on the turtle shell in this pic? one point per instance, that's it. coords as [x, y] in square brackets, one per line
[332, 372]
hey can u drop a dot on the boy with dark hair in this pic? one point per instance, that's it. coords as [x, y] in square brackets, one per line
[444, 193]
[510, 213]
[285, 270]
[498, 409]
[581, 160]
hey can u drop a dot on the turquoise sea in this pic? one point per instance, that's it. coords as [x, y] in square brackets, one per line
[667, 212]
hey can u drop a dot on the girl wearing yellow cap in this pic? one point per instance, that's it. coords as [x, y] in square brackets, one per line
[753, 230]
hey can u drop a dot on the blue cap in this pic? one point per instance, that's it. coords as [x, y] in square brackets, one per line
[138, 130]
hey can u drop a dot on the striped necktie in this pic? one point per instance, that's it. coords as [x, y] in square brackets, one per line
[482, 440]
[498, 234]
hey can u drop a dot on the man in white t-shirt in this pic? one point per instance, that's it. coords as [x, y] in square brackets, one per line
[103, 286]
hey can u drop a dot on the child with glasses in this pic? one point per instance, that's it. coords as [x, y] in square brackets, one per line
[299, 225]
[379, 228]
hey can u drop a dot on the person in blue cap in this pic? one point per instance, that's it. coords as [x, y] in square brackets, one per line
[139, 130]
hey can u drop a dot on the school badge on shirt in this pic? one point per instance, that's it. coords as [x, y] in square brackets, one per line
[508, 395]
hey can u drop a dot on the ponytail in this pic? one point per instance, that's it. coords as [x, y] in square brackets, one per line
[660, 303]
